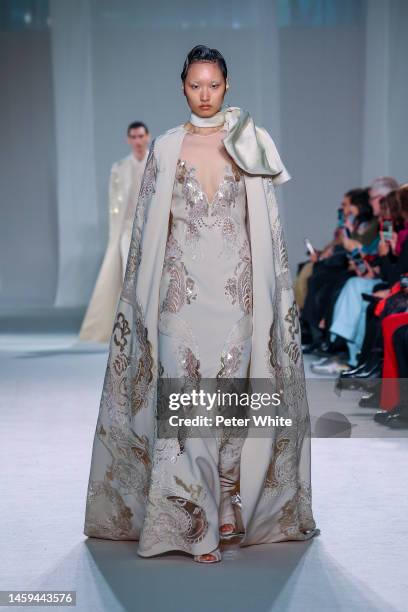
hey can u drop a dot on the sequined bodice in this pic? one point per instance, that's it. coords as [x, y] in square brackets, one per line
[196, 220]
[205, 310]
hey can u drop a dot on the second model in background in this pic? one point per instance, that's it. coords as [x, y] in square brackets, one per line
[125, 180]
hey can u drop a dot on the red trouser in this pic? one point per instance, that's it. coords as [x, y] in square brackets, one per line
[390, 387]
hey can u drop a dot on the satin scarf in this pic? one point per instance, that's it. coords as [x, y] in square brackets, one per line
[250, 146]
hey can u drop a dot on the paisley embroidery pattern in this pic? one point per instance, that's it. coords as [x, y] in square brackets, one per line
[230, 362]
[116, 523]
[288, 521]
[189, 363]
[113, 500]
[239, 288]
[282, 468]
[143, 376]
[174, 519]
[285, 363]
[181, 287]
[126, 476]
[293, 320]
[173, 507]
[147, 189]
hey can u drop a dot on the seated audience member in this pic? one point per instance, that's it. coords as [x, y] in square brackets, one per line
[349, 317]
[305, 269]
[330, 273]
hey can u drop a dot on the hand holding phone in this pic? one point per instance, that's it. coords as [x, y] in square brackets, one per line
[358, 261]
[387, 229]
[309, 247]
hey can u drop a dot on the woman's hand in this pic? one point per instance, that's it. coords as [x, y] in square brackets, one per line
[393, 242]
[382, 294]
[383, 246]
[350, 244]
[349, 224]
[327, 252]
[370, 272]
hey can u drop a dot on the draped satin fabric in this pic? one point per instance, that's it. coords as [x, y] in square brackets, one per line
[250, 146]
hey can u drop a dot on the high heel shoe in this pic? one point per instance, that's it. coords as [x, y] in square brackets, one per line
[215, 557]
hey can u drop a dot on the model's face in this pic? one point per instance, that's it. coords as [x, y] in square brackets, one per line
[138, 140]
[204, 88]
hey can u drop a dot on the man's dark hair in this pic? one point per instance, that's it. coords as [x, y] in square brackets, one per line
[201, 52]
[137, 124]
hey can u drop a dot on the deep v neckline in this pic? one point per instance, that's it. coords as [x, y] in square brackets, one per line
[193, 171]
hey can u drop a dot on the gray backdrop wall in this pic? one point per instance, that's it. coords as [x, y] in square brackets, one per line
[325, 77]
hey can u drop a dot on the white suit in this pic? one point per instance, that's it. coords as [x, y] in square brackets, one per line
[124, 186]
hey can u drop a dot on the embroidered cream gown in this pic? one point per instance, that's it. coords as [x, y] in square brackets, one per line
[205, 331]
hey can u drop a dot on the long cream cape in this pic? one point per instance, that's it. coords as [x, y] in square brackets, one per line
[275, 471]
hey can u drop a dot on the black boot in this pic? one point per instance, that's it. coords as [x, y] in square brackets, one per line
[399, 420]
[373, 371]
[351, 373]
[382, 416]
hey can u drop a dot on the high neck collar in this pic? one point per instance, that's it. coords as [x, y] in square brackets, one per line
[215, 120]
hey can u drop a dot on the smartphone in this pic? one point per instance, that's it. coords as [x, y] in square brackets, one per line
[309, 247]
[387, 229]
[358, 260]
[340, 217]
[404, 281]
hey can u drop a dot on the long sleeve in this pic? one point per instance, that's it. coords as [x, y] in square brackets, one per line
[368, 235]
[391, 272]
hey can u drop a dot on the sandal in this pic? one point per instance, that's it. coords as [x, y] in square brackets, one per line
[231, 532]
[215, 554]
[227, 520]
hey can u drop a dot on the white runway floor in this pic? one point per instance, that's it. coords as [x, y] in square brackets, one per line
[50, 390]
